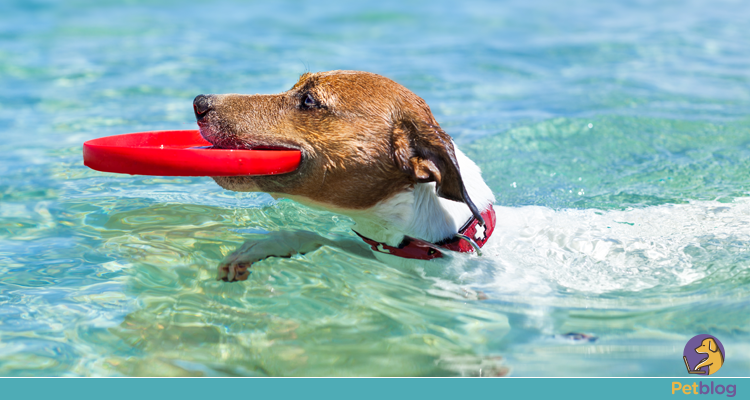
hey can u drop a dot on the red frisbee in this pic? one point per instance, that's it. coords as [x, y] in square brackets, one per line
[181, 153]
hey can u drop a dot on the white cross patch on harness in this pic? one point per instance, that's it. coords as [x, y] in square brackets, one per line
[480, 233]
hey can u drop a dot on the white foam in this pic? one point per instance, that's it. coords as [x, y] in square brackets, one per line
[537, 251]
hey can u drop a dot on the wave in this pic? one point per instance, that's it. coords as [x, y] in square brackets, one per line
[538, 251]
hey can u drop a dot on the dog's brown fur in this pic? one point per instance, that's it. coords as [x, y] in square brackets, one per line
[363, 132]
[714, 359]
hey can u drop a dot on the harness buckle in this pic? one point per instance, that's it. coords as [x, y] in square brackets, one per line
[471, 242]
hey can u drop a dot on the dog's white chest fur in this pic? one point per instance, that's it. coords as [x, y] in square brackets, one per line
[419, 212]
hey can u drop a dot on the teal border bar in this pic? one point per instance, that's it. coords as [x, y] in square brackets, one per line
[358, 388]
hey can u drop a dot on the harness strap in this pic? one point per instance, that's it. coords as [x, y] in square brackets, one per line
[420, 249]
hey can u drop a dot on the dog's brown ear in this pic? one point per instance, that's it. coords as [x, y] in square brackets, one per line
[711, 345]
[425, 152]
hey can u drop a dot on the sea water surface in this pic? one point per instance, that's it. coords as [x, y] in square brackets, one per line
[615, 136]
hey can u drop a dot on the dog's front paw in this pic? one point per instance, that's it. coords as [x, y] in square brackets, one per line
[236, 266]
[234, 272]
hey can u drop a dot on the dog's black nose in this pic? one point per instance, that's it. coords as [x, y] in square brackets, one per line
[201, 106]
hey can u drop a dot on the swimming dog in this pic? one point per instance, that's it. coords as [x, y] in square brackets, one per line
[371, 150]
[715, 359]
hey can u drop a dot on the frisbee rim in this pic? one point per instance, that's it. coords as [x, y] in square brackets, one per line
[179, 153]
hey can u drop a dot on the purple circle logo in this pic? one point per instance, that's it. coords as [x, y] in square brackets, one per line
[703, 355]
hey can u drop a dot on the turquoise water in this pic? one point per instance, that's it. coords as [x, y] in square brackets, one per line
[616, 138]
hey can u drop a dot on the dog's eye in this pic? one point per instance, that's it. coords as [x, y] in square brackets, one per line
[309, 101]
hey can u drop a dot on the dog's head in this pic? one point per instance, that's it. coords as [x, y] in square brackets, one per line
[708, 345]
[363, 138]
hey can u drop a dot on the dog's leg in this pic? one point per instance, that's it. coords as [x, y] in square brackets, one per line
[703, 363]
[235, 266]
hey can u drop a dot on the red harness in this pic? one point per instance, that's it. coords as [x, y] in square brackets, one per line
[423, 250]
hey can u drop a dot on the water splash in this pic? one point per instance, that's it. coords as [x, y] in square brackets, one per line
[636, 252]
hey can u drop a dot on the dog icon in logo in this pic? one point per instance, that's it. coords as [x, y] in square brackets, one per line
[705, 353]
